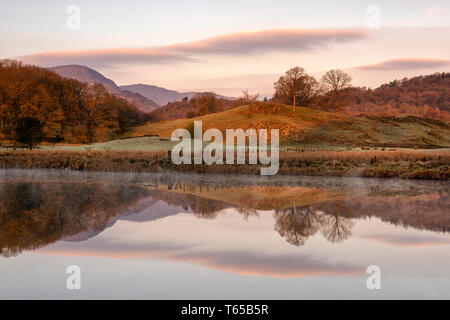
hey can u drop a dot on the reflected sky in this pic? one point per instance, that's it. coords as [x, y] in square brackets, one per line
[173, 236]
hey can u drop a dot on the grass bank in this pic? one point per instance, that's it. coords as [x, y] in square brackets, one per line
[408, 164]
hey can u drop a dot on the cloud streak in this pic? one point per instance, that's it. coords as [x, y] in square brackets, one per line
[407, 240]
[239, 262]
[271, 40]
[236, 44]
[107, 57]
[406, 64]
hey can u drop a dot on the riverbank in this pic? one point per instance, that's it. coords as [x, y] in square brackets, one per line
[407, 164]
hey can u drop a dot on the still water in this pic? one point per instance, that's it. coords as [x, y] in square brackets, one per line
[172, 236]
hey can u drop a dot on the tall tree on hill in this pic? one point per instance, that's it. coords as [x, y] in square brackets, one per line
[295, 87]
[336, 81]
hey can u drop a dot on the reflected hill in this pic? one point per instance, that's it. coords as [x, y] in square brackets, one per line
[254, 197]
[35, 214]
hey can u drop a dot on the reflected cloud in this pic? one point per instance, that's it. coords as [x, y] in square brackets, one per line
[407, 240]
[244, 262]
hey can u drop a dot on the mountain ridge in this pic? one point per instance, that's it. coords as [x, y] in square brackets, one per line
[91, 76]
[146, 97]
[163, 96]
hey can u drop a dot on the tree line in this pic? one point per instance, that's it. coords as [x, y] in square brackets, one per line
[38, 105]
[199, 105]
[422, 96]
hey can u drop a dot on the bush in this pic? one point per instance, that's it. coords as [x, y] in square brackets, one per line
[29, 132]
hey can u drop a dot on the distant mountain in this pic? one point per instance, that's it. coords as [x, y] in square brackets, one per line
[88, 75]
[160, 95]
[163, 96]
[143, 104]
[146, 97]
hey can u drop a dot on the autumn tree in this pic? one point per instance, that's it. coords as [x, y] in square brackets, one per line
[206, 103]
[409, 96]
[68, 110]
[296, 86]
[200, 104]
[28, 132]
[336, 81]
[432, 113]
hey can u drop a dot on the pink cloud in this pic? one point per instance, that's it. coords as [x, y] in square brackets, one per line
[269, 40]
[406, 64]
[242, 43]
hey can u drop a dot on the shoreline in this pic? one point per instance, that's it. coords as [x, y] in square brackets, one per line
[430, 165]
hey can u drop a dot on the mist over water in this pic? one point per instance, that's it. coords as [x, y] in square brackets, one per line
[171, 235]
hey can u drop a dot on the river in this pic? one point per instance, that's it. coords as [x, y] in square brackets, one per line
[178, 236]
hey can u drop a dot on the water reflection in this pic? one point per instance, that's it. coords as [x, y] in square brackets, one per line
[39, 208]
[34, 214]
[298, 224]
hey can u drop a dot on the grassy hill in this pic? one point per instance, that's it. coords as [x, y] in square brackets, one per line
[256, 116]
[313, 127]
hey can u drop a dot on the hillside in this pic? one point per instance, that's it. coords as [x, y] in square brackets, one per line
[141, 102]
[90, 76]
[258, 198]
[422, 96]
[160, 95]
[163, 96]
[62, 110]
[310, 126]
[146, 98]
[200, 104]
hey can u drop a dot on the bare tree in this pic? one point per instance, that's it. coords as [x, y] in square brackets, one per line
[246, 98]
[337, 81]
[296, 83]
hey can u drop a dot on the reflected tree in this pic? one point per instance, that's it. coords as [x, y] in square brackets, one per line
[297, 224]
[206, 208]
[247, 212]
[335, 227]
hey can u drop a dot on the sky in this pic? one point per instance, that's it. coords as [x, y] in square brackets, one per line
[229, 46]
